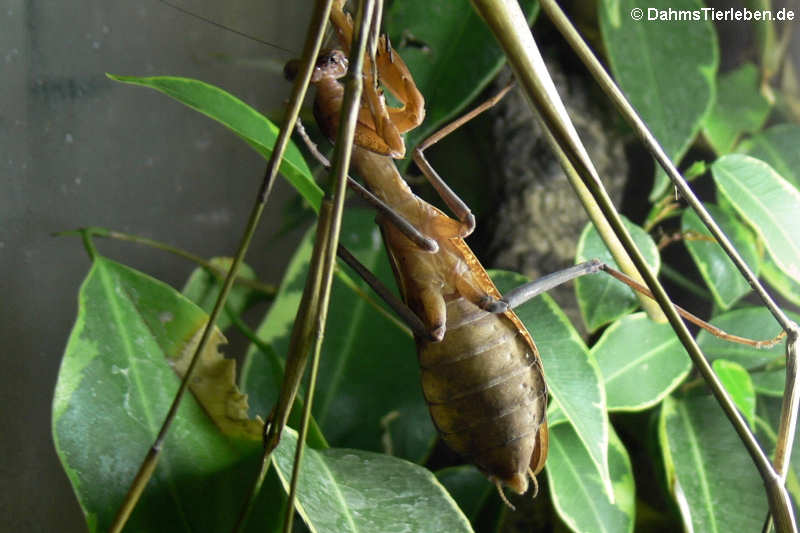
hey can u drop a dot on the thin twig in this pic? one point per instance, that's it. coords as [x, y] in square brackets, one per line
[219, 273]
[313, 44]
[780, 506]
[328, 230]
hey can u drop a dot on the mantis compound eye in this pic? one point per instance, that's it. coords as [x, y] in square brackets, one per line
[330, 64]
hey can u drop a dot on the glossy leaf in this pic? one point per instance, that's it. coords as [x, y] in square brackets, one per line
[368, 367]
[767, 202]
[739, 108]
[769, 382]
[777, 146]
[573, 376]
[451, 53]
[769, 412]
[580, 499]
[666, 69]
[114, 388]
[641, 362]
[718, 488]
[467, 486]
[720, 274]
[754, 323]
[202, 288]
[737, 382]
[786, 286]
[601, 298]
[404, 436]
[240, 118]
[342, 491]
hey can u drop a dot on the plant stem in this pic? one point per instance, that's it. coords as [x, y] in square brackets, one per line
[313, 44]
[320, 279]
[780, 506]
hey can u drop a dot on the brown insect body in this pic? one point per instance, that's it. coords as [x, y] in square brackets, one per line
[481, 372]
[483, 381]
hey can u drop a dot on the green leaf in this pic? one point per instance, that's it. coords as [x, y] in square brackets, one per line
[404, 435]
[240, 118]
[739, 108]
[641, 361]
[777, 146]
[368, 367]
[768, 419]
[452, 58]
[786, 286]
[573, 376]
[202, 288]
[737, 382]
[601, 298]
[580, 499]
[114, 388]
[718, 271]
[716, 486]
[467, 486]
[342, 491]
[754, 323]
[769, 382]
[770, 50]
[768, 202]
[666, 69]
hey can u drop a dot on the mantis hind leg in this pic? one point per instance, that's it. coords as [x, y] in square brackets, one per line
[527, 291]
[405, 313]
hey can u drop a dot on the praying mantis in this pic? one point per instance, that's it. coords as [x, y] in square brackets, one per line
[471, 378]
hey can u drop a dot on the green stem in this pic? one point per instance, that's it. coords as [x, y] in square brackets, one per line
[219, 273]
[303, 325]
[329, 227]
[313, 44]
[88, 243]
[780, 506]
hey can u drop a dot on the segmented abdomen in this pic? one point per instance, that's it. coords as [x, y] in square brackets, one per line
[485, 389]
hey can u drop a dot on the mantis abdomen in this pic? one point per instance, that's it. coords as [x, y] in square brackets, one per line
[481, 372]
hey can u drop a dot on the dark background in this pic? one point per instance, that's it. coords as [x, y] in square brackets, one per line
[77, 149]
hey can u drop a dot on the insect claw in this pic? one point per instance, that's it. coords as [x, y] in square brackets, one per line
[535, 482]
[502, 494]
